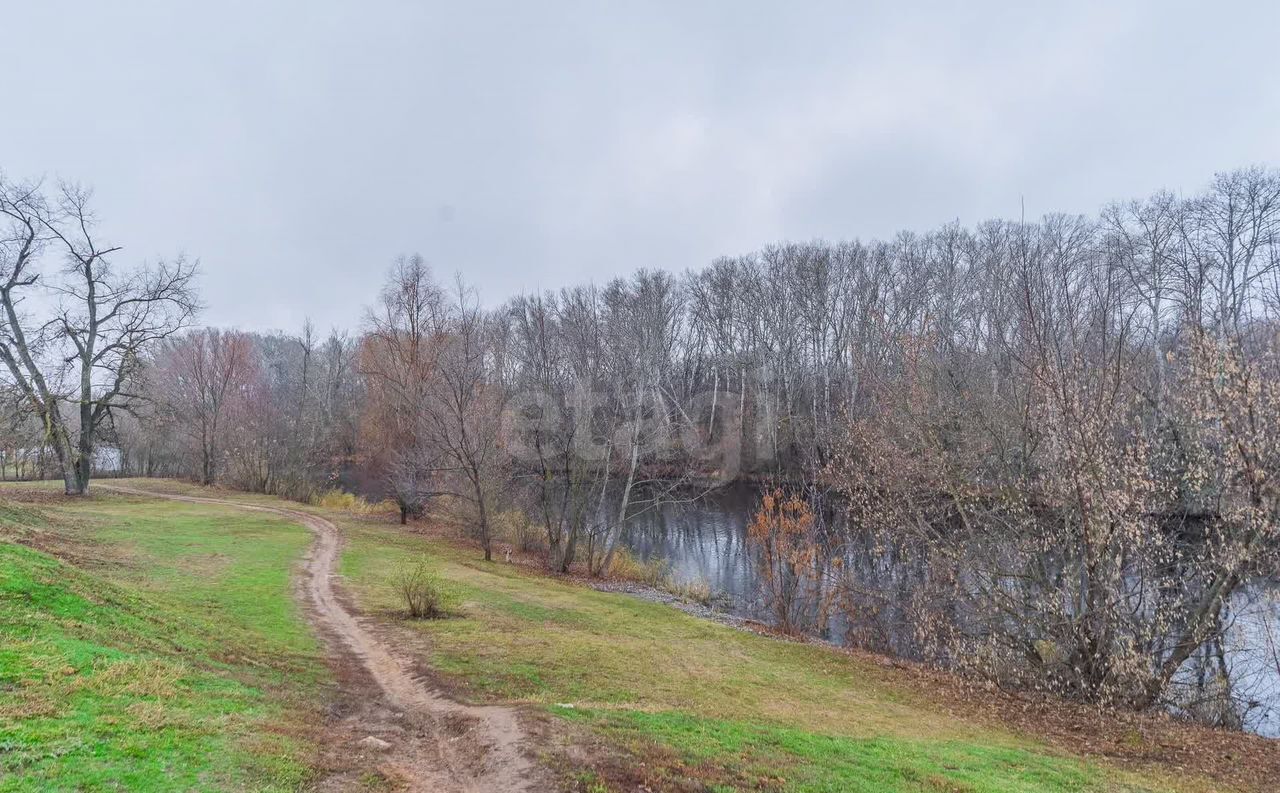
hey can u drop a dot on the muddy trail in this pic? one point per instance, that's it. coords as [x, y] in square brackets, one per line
[390, 718]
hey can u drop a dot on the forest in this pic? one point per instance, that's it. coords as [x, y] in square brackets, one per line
[1056, 440]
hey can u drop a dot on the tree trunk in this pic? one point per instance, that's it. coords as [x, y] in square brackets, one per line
[611, 538]
[484, 515]
[83, 472]
[75, 479]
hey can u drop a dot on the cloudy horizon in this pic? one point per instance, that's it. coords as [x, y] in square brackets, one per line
[296, 150]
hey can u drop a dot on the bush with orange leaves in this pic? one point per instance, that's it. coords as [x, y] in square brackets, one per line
[783, 533]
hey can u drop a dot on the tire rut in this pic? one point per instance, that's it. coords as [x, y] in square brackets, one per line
[478, 748]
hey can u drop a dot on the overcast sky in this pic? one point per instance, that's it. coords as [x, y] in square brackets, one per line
[297, 147]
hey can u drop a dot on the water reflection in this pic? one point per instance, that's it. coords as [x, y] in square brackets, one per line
[705, 540]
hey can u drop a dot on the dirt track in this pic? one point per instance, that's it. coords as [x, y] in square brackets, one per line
[472, 749]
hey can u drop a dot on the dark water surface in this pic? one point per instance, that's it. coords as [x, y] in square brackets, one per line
[705, 540]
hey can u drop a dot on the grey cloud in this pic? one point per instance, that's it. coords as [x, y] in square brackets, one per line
[298, 147]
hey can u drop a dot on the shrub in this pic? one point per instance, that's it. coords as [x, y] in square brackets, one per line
[349, 502]
[514, 526]
[424, 592]
[624, 566]
[696, 590]
[783, 536]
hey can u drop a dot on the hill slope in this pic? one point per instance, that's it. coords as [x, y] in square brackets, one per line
[174, 659]
[153, 645]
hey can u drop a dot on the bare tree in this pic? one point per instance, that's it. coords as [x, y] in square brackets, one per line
[72, 337]
[465, 407]
[398, 359]
[203, 375]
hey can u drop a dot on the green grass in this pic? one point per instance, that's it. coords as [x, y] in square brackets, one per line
[804, 761]
[171, 657]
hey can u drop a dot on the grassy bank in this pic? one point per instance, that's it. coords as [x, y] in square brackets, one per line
[700, 703]
[152, 646]
[156, 645]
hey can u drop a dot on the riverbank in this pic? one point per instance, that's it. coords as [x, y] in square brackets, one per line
[674, 701]
[1137, 739]
[620, 693]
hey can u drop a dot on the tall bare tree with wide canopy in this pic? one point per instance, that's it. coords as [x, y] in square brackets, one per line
[72, 336]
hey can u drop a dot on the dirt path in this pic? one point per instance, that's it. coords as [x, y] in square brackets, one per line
[468, 748]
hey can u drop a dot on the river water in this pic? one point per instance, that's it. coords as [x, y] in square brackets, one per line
[706, 540]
